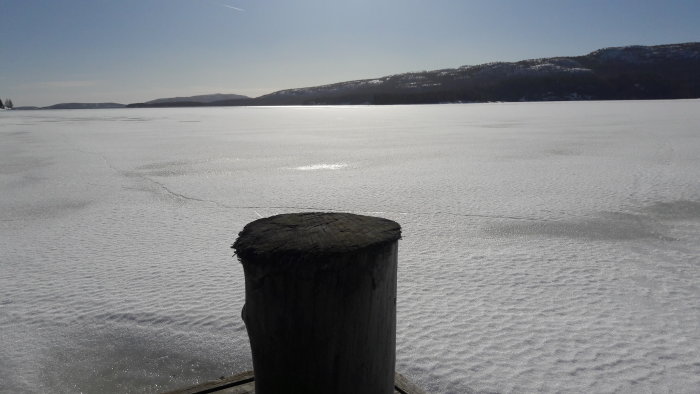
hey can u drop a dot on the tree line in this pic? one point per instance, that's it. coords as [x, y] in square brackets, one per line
[8, 104]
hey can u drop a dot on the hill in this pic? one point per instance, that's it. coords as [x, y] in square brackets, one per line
[84, 106]
[618, 73]
[621, 73]
[25, 108]
[190, 101]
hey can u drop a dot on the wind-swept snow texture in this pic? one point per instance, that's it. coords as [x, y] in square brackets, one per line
[547, 247]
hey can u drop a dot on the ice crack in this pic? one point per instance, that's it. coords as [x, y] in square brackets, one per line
[182, 196]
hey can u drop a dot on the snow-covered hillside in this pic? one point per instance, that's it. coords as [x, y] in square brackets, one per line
[632, 72]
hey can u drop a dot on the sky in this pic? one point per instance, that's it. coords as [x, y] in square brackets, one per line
[127, 51]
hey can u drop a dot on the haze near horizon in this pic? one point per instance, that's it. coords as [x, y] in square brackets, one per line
[132, 51]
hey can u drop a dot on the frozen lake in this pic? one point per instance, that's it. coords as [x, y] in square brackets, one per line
[547, 247]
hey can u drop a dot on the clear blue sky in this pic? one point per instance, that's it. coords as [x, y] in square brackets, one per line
[128, 51]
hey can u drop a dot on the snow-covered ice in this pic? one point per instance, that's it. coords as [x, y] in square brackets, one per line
[547, 247]
[322, 166]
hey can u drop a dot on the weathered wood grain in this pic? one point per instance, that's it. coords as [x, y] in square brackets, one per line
[321, 302]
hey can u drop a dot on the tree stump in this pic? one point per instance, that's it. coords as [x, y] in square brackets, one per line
[320, 306]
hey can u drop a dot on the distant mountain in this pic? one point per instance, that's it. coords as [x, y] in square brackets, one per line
[190, 101]
[84, 106]
[621, 73]
[633, 72]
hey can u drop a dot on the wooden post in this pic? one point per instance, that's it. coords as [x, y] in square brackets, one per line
[320, 304]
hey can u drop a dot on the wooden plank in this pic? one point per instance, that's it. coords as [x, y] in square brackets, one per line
[405, 386]
[241, 382]
[244, 383]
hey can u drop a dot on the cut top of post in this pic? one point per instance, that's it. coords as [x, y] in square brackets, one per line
[313, 235]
